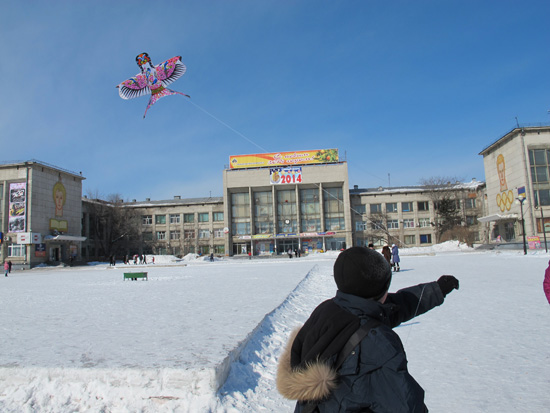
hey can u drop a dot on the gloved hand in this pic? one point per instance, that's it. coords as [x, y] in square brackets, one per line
[447, 283]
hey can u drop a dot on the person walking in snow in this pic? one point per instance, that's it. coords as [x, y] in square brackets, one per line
[373, 377]
[6, 268]
[395, 257]
[546, 283]
[386, 253]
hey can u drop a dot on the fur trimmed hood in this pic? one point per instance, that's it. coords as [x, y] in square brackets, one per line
[315, 381]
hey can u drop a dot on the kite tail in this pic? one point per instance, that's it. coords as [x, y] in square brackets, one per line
[160, 93]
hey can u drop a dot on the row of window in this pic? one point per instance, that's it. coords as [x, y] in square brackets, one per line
[187, 234]
[187, 218]
[407, 223]
[392, 207]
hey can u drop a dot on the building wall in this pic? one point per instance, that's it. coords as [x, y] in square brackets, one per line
[40, 209]
[420, 229]
[503, 183]
[319, 178]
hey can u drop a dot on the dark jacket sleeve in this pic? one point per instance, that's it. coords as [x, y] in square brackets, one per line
[413, 301]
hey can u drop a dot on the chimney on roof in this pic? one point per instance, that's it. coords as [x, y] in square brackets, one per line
[355, 186]
[474, 180]
[177, 197]
[147, 199]
[133, 200]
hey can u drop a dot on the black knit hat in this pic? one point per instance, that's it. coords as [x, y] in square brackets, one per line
[363, 272]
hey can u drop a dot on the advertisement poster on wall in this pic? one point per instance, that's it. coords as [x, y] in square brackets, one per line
[17, 207]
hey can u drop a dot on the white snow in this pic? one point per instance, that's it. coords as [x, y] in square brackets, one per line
[202, 336]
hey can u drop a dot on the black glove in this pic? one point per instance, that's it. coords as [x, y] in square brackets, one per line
[447, 283]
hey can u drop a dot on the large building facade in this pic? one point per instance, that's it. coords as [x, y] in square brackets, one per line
[517, 170]
[40, 214]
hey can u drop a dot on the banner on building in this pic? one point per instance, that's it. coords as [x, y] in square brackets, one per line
[292, 175]
[262, 160]
[17, 207]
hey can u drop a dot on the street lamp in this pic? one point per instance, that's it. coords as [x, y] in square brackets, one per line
[521, 200]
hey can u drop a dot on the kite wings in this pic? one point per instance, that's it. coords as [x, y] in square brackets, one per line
[152, 80]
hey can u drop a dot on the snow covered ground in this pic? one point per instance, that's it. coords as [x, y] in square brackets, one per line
[206, 337]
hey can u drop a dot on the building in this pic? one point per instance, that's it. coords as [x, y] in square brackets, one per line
[285, 201]
[176, 227]
[41, 212]
[409, 216]
[517, 171]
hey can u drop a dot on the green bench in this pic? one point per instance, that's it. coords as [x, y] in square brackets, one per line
[135, 275]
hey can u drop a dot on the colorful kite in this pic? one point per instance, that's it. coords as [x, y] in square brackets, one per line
[152, 80]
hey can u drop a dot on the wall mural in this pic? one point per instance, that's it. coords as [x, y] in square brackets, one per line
[59, 198]
[506, 196]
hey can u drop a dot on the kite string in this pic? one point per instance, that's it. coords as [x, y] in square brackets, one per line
[227, 126]
[265, 150]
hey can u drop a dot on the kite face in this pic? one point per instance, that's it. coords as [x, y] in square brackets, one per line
[152, 80]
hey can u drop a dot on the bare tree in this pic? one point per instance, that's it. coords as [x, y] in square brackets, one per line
[115, 227]
[446, 199]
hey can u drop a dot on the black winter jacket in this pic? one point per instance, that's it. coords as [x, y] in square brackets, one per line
[375, 376]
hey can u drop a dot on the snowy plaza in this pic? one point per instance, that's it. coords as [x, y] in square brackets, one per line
[203, 336]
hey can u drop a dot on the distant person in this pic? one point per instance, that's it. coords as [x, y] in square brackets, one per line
[386, 252]
[249, 255]
[211, 257]
[375, 378]
[395, 257]
[144, 259]
[9, 265]
[289, 253]
[546, 283]
[6, 268]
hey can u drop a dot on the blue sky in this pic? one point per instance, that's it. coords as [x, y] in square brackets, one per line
[413, 89]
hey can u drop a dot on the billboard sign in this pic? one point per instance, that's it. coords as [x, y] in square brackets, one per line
[262, 160]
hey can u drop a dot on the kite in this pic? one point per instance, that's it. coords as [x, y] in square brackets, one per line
[152, 79]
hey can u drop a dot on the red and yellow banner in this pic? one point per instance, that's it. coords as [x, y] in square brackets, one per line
[261, 160]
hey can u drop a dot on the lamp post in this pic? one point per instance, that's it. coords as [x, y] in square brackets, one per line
[521, 200]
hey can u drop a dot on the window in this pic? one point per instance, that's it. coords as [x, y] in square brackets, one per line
[408, 223]
[218, 233]
[393, 224]
[161, 235]
[189, 234]
[410, 239]
[263, 227]
[146, 219]
[16, 250]
[203, 217]
[360, 226]
[160, 219]
[241, 228]
[471, 220]
[174, 218]
[217, 216]
[219, 249]
[188, 218]
[392, 207]
[360, 209]
[311, 224]
[240, 213]
[375, 208]
[376, 224]
[407, 206]
[147, 236]
[174, 235]
[423, 222]
[204, 234]
[539, 160]
[470, 203]
[426, 238]
[423, 205]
